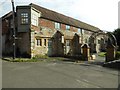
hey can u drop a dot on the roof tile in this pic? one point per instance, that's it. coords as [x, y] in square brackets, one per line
[54, 16]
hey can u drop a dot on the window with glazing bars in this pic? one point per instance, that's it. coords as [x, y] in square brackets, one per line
[24, 18]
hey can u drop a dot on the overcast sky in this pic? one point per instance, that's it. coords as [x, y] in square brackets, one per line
[100, 13]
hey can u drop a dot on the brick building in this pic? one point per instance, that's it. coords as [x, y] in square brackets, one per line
[43, 31]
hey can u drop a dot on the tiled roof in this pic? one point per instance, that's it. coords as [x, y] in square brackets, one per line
[54, 16]
[7, 15]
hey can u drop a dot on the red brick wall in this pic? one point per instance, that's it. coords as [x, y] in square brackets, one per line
[74, 29]
[63, 26]
[35, 28]
[51, 25]
[46, 23]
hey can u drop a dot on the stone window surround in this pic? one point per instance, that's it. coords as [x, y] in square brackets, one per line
[42, 42]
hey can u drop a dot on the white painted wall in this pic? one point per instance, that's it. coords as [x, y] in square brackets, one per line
[35, 14]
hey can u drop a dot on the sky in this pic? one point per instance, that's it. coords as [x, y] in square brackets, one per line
[100, 13]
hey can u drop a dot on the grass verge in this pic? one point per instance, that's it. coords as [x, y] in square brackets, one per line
[20, 60]
[102, 54]
[38, 58]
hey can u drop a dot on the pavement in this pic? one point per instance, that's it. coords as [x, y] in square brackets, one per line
[115, 64]
[58, 74]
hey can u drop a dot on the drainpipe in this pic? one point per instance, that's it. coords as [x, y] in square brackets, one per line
[14, 32]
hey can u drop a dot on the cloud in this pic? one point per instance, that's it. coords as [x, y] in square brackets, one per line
[5, 8]
[101, 13]
[1, 10]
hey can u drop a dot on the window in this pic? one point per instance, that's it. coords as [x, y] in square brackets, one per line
[79, 30]
[34, 20]
[24, 18]
[45, 42]
[67, 27]
[39, 42]
[57, 25]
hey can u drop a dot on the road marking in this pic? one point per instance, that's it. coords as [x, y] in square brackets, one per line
[51, 64]
[85, 80]
[87, 83]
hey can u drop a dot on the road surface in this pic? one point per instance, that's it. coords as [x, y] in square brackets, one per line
[57, 75]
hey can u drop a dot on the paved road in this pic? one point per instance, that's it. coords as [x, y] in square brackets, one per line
[0, 74]
[57, 75]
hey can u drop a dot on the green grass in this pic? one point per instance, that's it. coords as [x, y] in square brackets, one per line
[118, 55]
[102, 54]
[37, 58]
[40, 57]
[21, 60]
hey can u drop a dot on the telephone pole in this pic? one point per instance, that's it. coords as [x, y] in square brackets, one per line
[14, 31]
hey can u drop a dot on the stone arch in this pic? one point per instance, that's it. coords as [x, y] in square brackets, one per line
[108, 37]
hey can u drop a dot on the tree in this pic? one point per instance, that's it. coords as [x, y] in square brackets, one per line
[117, 35]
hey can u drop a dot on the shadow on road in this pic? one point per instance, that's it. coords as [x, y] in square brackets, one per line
[101, 61]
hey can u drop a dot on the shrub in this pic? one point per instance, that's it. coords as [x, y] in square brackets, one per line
[118, 55]
[23, 60]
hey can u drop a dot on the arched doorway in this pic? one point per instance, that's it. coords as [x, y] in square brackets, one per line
[98, 42]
